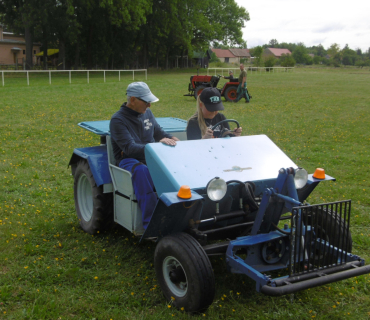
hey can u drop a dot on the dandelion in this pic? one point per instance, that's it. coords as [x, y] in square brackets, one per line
[26, 267]
[173, 298]
[169, 306]
[96, 278]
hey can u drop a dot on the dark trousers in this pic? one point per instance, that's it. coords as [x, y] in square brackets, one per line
[242, 92]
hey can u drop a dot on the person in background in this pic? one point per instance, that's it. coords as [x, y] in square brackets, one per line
[242, 88]
[131, 128]
[231, 77]
[208, 106]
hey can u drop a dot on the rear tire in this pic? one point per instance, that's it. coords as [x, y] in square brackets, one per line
[93, 207]
[231, 94]
[184, 272]
[198, 90]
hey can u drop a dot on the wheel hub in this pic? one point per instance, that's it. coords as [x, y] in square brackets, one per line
[177, 275]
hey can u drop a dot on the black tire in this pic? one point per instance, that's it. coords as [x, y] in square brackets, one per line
[93, 207]
[231, 94]
[329, 227]
[184, 272]
[198, 90]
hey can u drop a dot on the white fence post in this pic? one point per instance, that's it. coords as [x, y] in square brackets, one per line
[88, 76]
[28, 79]
[2, 76]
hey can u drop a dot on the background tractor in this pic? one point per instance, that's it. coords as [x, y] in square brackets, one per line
[198, 83]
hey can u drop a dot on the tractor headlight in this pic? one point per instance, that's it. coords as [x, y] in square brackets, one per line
[216, 189]
[300, 178]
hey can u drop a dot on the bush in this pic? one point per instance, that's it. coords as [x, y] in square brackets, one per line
[287, 60]
[269, 62]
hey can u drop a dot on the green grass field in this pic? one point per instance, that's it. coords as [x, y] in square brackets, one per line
[51, 269]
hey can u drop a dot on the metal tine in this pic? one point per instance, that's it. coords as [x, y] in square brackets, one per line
[327, 233]
[347, 238]
[299, 242]
[319, 236]
[309, 246]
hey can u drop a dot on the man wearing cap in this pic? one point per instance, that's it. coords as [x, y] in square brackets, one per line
[131, 128]
[231, 77]
[208, 105]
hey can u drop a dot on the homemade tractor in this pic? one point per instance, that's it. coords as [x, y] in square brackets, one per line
[198, 83]
[241, 198]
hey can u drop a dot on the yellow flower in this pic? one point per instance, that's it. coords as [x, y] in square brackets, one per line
[96, 278]
[169, 306]
[173, 298]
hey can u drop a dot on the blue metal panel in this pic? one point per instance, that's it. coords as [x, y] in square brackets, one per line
[168, 124]
[173, 214]
[195, 163]
[98, 162]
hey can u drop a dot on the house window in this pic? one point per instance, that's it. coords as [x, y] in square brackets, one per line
[226, 59]
[24, 51]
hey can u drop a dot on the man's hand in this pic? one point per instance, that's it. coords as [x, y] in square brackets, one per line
[238, 132]
[208, 134]
[169, 142]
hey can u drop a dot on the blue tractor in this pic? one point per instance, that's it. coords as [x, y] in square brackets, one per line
[244, 199]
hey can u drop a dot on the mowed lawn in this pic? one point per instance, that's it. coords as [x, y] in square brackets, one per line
[51, 269]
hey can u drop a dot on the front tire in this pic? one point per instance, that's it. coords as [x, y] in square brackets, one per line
[231, 94]
[184, 272]
[93, 207]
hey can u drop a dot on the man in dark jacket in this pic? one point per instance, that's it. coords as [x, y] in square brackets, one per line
[131, 128]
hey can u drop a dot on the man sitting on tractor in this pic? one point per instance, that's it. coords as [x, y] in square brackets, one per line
[131, 128]
[231, 77]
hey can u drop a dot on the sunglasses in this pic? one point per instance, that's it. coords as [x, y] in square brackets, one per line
[143, 101]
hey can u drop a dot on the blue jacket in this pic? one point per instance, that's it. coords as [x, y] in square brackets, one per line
[130, 131]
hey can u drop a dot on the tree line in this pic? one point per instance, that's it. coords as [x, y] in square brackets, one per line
[113, 34]
[334, 55]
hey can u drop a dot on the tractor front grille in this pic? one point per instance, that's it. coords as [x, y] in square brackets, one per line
[320, 237]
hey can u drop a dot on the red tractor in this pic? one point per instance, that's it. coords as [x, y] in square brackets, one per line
[198, 83]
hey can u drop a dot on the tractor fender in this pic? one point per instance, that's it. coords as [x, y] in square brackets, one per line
[97, 157]
[173, 214]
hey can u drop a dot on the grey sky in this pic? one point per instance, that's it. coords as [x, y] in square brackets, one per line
[311, 22]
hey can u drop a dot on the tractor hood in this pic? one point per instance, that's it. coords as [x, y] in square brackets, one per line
[195, 163]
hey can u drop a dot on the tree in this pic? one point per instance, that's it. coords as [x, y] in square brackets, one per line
[257, 54]
[300, 54]
[269, 62]
[286, 60]
[273, 43]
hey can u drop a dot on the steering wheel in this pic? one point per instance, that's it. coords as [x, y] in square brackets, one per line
[225, 132]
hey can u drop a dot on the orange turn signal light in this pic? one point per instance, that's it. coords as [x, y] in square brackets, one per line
[184, 192]
[319, 173]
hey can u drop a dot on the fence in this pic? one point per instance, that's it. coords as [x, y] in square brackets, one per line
[254, 69]
[70, 72]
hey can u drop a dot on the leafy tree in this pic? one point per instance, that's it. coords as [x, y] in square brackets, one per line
[287, 60]
[273, 43]
[214, 57]
[317, 59]
[349, 56]
[256, 52]
[269, 62]
[300, 54]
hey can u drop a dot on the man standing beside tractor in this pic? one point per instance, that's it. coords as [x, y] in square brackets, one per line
[242, 88]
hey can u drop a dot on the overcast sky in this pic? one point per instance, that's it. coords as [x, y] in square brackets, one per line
[311, 22]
